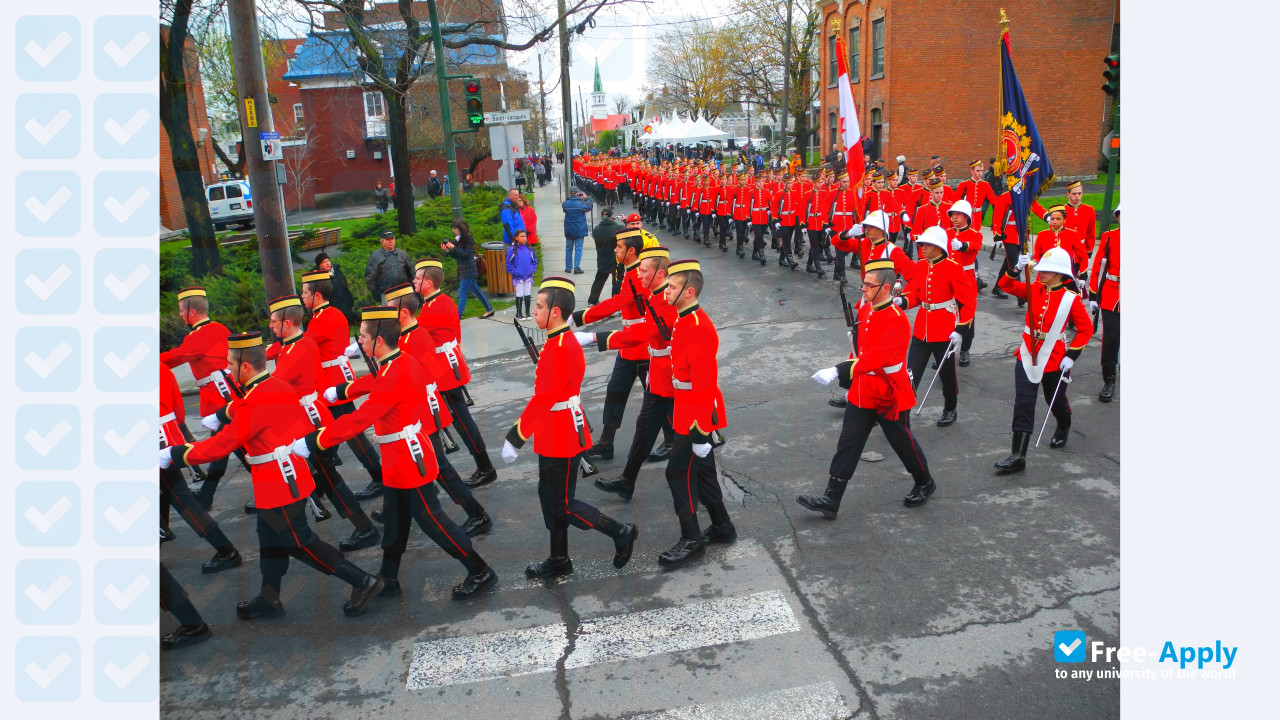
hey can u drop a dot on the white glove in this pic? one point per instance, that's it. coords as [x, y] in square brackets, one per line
[956, 245]
[901, 302]
[856, 230]
[906, 218]
[331, 394]
[955, 337]
[826, 376]
[300, 448]
[702, 449]
[1023, 261]
[166, 458]
[1046, 218]
[211, 421]
[1093, 306]
[1066, 364]
[353, 350]
[509, 452]
[585, 338]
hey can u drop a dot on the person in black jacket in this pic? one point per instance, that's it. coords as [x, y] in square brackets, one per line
[342, 297]
[463, 250]
[604, 236]
[434, 188]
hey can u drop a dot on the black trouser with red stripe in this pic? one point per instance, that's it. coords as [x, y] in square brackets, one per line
[788, 232]
[654, 418]
[817, 238]
[283, 532]
[740, 232]
[706, 226]
[857, 426]
[466, 427]
[1024, 399]
[918, 354]
[174, 491]
[1110, 341]
[422, 505]
[360, 444]
[758, 230]
[692, 479]
[457, 490]
[329, 481]
[173, 599]
[621, 380]
[557, 483]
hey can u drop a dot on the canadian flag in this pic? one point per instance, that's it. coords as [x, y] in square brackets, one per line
[850, 133]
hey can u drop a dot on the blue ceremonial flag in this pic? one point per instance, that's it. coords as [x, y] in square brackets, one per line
[1027, 171]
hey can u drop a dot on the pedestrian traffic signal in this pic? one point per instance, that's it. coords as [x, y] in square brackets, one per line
[1112, 74]
[475, 104]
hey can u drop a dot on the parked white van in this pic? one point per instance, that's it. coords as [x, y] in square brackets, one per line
[230, 203]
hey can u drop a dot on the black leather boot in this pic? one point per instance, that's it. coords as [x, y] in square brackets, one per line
[476, 580]
[624, 538]
[603, 447]
[997, 292]
[721, 529]
[364, 587]
[948, 417]
[1108, 383]
[223, 559]
[828, 503]
[481, 477]
[620, 486]
[372, 490]
[1060, 434]
[688, 547]
[479, 524]
[919, 494]
[266, 604]
[360, 539]
[839, 401]
[660, 453]
[558, 563]
[185, 635]
[1017, 460]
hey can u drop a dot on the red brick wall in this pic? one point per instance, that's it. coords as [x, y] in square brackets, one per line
[171, 214]
[284, 92]
[940, 94]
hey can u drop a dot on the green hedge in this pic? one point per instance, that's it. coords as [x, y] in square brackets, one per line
[238, 299]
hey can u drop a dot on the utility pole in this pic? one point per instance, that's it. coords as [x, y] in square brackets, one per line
[786, 80]
[566, 99]
[255, 119]
[446, 120]
[542, 96]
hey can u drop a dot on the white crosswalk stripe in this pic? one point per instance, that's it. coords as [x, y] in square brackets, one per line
[453, 661]
[810, 702]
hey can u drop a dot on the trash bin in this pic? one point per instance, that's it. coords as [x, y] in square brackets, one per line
[497, 279]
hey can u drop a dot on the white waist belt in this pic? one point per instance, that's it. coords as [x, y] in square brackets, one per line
[892, 368]
[970, 267]
[655, 352]
[336, 361]
[1114, 278]
[168, 418]
[570, 404]
[306, 400]
[680, 384]
[308, 403]
[447, 347]
[1038, 335]
[949, 306]
[201, 382]
[433, 402]
[280, 454]
[409, 431]
[632, 321]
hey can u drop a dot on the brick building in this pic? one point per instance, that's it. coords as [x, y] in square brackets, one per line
[171, 214]
[926, 76]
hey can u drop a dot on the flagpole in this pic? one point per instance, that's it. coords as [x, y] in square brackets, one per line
[1026, 237]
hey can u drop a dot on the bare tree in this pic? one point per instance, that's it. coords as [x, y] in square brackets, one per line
[299, 163]
[690, 70]
[757, 70]
[621, 104]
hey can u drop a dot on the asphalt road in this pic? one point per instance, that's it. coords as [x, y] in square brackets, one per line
[946, 611]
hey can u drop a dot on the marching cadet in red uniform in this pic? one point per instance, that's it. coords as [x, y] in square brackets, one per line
[396, 406]
[554, 418]
[976, 191]
[1044, 356]
[698, 410]
[947, 297]
[906, 194]
[173, 485]
[933, 212]
[416, 343]
[773, 185]
[741, 211]
[788, 204]
[1060, 236]
[817, 222]
[632, 363]
[655, 412]
[267, 424]
[1078, 216]
[205, 349]
[874, 244]
[686, 197]
[879, 392]
[759, 208]
[844, 215]
[331, 332]
[298, 364]
[949, 195]
[675, 216]
[883, 199]
[706, 197]
[965, 244]
[724, 201]
[439, 318]
[1104, 287]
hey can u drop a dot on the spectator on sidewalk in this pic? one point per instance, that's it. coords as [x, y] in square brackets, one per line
[387, 268]
[463, 250]
[512, 221]
[434, 188]
[522, 263]
[381, 198]
[530, 218]
[468, 185]
[342, 297]
[445, 182]
[605, 236]
[575, 209]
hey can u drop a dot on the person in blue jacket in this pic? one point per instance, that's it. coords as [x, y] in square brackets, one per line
[576, 228]
[511, 218]
[522, 263]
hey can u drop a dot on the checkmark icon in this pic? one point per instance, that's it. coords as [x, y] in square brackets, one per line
[123, 55]
[44, 676]
[43, 134]
[44, 444]
[201, 598]
[130, 361]
[124, 289]
[43, 599]
[44, 366]
[43, 521]
[123, 521]
[43, 211]
[122, 445]
[1066, 646]
[124, 211]
[124, 133]
[47, 54]
[122, 677]
[1068, 649]
[44, 288]
[124, 598]
[201, 676]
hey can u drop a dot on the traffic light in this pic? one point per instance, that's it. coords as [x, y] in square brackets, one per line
[475, 104]
[1112, 74]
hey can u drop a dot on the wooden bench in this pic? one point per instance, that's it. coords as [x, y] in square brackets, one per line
[324, 237]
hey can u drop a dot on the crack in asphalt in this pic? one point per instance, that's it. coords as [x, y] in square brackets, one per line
[571, 624]
[730, 475]
[1027, 616]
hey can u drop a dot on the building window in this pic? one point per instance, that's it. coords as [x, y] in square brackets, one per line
[877, 48]
[297, 113]
[373, 105]
[833, 67]
[835, 128]
[855, 54]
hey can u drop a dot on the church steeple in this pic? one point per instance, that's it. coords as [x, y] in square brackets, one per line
[599, 108]
[598, 87]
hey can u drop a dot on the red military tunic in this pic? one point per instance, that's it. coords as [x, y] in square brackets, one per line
[1109, 248]
[788, 204]
[877, 378]
[741, 202]
[395, 402]
[439, 317]
[268, 419]
[1042, 308]
[1002, 223]
[844, 211]
[819, 207]
[906, 197]
[331, 333]
[1068, 240]
[760, 206]
[1082, 218]
[706, 199]
[977, 194]
[947, 295]
[686, 192]
[930, 214]
[416, 343]
[624, 302]
[695, 375]
[205, 349]
[885, 202]
[968, 256]
[553, 416]
[172, 411]
[298, 364]
[648, 336]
